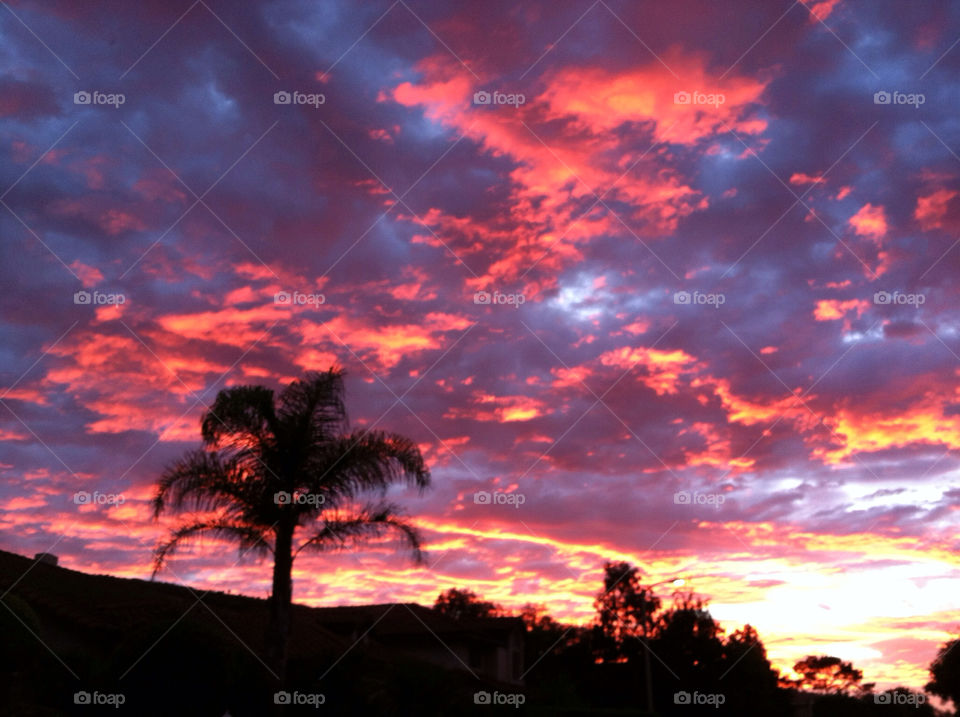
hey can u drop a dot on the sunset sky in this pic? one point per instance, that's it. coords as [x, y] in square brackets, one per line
[720, 266]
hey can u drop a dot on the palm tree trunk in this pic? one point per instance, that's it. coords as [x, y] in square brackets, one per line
[280, 603]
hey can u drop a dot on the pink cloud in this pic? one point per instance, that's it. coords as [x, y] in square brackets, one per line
[871, 222]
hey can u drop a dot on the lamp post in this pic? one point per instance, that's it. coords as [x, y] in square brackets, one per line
[675, 582]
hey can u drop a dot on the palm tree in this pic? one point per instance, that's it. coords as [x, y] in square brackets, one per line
[275, 470]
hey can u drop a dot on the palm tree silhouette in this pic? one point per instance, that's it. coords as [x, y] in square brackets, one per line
[271, 466]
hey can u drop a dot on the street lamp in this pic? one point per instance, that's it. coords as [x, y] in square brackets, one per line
[677, 583]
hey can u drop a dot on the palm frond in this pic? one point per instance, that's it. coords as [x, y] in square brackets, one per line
[241, 416]
[312, 409]
[346, 466]
[250, 539]
[370, 522]
[203, 480]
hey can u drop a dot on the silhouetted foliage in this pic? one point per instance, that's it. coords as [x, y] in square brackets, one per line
[900, 702]
[945, 673]
[827, 674]
[688, 654]
[748, 680]
[461, 604]
[538, 621]
[688, 650]
[272, 465]
[142, 640]
[625, 612]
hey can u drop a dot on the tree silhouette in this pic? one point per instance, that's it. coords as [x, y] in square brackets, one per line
[945, 673]
[537, 619]
[748, 679]
[272, 466]
[690, 642]
[827, 674]
[625, 611]
[460, 604]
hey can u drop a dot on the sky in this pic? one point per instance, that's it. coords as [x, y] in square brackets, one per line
[671, 283]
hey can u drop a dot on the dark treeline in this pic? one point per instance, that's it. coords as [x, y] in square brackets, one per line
[693, 665]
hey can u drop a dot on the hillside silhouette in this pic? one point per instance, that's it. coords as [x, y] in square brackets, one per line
[171, 649]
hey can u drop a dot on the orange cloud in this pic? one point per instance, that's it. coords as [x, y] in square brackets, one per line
[932, 209]
[504, 409]
[663, 367]
[820, 9]
[753, 412]
[640, 326]
[925, 422]
[870, 222]
[230, 326]
[570, 377]
[566, 149]
[131, 387]
[604, 100]
[833, 309]
[29, 395]
[89, 276]
[718, 452]
[387, 344]
[801, 178]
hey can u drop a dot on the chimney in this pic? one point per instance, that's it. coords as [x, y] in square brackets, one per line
[47, 558]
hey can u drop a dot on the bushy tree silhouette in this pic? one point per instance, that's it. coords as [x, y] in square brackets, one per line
[827, 674]
[625, 612]
[945, 673]
[461, 604]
